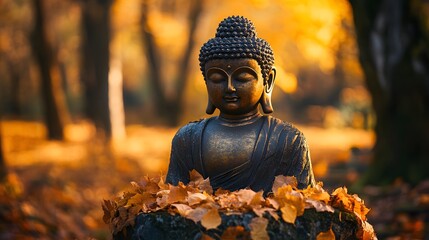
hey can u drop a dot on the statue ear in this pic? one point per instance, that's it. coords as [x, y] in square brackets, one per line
[210, 107]
[265, 100]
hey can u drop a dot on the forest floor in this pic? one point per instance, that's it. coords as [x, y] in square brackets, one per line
[54, 190]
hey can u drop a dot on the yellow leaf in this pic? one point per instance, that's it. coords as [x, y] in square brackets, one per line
[328, 235]
[283, 190]
[211, 219]
[258, 228]
[289, 213]
[287, 196]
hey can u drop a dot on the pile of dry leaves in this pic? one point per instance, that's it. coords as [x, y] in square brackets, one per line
[196, 201]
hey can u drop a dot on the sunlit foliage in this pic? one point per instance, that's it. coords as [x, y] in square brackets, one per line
[198, 202]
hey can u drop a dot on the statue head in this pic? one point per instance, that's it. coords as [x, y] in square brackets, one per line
[236, 54]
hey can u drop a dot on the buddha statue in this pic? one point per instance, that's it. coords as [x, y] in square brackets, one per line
[241, 147]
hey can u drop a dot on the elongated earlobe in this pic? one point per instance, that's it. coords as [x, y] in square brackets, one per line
[210, 107]
[265, 100]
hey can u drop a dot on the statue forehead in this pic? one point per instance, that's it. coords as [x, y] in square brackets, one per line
[233, 63]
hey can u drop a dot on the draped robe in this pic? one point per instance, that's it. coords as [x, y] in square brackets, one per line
[280, 149]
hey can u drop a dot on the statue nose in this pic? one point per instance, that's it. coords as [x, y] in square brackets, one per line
[230, 87]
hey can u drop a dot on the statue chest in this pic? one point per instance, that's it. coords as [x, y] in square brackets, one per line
[227, 147]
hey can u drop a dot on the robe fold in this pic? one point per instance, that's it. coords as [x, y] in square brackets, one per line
[280, 149]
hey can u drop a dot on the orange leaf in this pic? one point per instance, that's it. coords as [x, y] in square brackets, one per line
[365, 231]
[162, 185]
[258, 228]
[195, 176]
[287, 196]
[328, 235]
[151, 187]
[274, 214]
[257, 199]
[259, 211]
[205, 237]
[211, 219]
[245, 195]
[177, 194]
[319, 206]
[229, 201]
[281, 180]
[197, 214]
[197, 181]
[289, 213]
[316, 193]
[273, 203]
[221, 191]
[141, 198]
[341, 199]
[162, 199]
[195, 198]
[183, 209]
[236, 232]
[109, 210]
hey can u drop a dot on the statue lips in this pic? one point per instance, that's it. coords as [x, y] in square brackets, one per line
[229, 98]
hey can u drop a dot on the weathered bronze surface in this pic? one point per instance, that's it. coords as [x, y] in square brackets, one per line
[241, 147]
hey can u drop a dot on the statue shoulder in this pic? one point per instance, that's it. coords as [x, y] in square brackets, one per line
[189, 130]
[286, 126]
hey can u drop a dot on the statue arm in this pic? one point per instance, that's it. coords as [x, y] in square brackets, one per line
[178, 169]
[300, 161]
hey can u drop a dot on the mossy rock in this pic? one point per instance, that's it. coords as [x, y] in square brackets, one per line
[162, 225]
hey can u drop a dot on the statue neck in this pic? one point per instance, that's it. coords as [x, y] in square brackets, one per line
[239, 120]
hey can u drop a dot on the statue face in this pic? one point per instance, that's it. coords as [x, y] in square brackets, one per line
[234, 86]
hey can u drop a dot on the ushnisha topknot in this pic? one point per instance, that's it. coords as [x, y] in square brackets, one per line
[236, 38]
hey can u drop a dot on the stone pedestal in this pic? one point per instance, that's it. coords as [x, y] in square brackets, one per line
[162, 225]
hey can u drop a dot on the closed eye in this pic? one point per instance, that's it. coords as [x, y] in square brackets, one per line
[245, 74]
[245, 77]
[216, 77]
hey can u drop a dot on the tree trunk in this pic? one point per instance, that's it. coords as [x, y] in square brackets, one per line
[50, 76]
[169, 108]
[95, 62]
[14, 100]
[3, 169]
[395, 59]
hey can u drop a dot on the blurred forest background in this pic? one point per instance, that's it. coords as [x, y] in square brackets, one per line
[92, 92]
